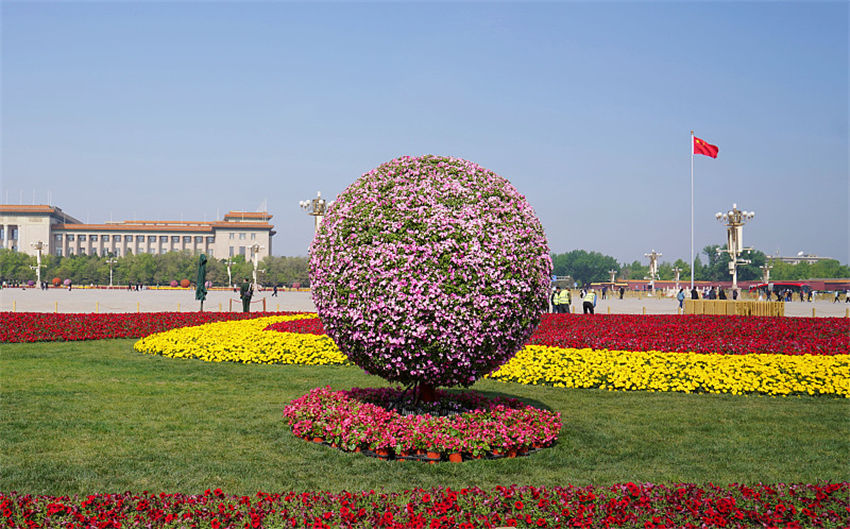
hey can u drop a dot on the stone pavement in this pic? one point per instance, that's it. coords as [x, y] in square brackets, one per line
[99, 300]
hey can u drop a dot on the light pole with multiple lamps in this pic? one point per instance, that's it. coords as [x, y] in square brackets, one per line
[765, 273]
[229, 263]
[111, 261]
[677, 271]
[613, 276]
[653, 267]
[317, 208]
[734, 219]
[39, 246]
[255, 258]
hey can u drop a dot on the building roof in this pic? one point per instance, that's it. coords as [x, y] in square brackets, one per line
[253, 215]
[43, 209]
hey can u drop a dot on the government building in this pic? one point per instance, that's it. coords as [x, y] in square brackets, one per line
[60, 234]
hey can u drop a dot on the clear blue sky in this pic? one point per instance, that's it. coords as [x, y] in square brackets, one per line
[190, 109]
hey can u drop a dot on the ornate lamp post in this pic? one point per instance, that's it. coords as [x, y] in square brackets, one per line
[677, 271]
[229, 263]
[111, 262]
[765, 273]
[317, 208]
[613, 275]
[39, 246]
[255, 258]
[734, 219]
[653, 267]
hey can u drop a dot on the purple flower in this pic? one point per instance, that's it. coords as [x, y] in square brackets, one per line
[431, 270]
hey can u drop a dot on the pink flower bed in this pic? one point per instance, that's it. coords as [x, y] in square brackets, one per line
[477, 426]
[627, 505]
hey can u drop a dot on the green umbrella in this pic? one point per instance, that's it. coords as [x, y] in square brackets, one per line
[200, 284]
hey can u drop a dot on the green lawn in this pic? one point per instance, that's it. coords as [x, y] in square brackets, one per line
[98, 417]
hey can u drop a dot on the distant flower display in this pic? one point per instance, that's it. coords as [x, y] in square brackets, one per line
[431, 270]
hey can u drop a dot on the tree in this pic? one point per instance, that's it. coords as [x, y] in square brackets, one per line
[635, 270]
[583, 266]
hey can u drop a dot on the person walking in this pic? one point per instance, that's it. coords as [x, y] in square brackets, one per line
[274, 292]
[694, 293]
[245, 293]
[589, 301]
[622, 291]
[681, 297]
[555, 299]
[837, 296]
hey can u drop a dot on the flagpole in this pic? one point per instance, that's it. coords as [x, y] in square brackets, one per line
[692, 210]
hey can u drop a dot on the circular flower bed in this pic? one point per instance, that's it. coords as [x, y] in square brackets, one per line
[430, 270]
[458, 426]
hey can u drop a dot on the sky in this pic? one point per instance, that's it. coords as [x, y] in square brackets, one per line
[187, 110]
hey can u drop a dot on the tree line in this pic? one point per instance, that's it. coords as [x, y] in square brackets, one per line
[588, 267]
[150, 269]
[581, 265]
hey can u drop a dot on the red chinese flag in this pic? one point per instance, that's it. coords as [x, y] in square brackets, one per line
[701, 147]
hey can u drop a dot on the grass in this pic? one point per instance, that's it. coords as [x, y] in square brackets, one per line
[98, 417]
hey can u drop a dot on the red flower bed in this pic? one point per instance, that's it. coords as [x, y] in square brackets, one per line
[622, 505]
[47, 327]
[699, 334]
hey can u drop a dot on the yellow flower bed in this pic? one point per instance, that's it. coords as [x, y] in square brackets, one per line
[770, 374]
[245, 342]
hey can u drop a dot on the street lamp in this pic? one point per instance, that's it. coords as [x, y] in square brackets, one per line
[734, 219]
[229, 263]
[255, 258]
[677, 271]
[613, 276]
[39, 246]
[111, 262]
[653, 267]
[317, 208]
[765, 273]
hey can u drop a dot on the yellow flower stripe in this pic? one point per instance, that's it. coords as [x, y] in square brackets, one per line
[244, 342]
[770, 374]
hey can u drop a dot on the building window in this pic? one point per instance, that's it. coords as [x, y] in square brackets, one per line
[163, 238]
[187, 239]
[175, 238]
[232, 235]
[70, 237]
[128, 238]
[140, 238]
[241, 250]
[70, 251]
[210, 240]
[199, 239]
[253, 236]
[151, 238]
[242, 236]
[210, 252]
[58, 252]
[117, 252]
[93, 237]
[116, 238]
[231, 251]
[104, 238]
[58, 237]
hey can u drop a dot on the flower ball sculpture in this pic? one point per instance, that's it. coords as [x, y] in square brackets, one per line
[431, 271]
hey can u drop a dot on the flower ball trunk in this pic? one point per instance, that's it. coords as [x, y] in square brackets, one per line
[426, 393]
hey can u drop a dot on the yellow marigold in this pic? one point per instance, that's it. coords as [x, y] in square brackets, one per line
[245, 342]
